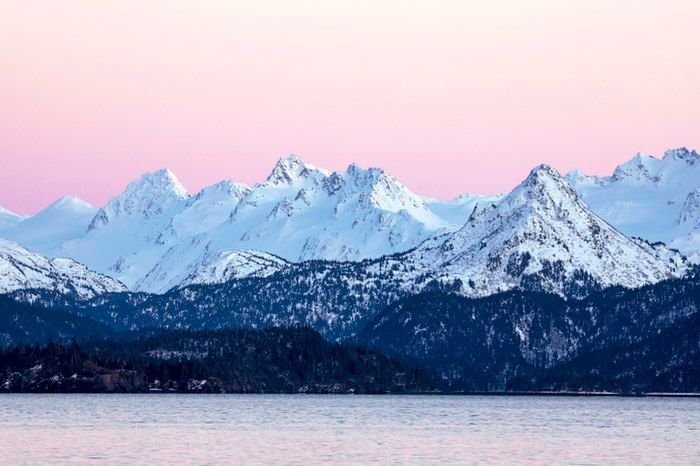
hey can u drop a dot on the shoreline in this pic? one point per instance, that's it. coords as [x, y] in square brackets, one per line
[465, 394]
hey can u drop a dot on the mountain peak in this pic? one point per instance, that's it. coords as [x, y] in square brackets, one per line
[226, 186]
[544, 170]
[546, 178]
[149, 195]
[292, 168]
[543, 192]
[681, 153]
[544, 231]
[160, 183]
[70, 203]
[164, 180]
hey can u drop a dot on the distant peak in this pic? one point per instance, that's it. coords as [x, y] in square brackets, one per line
[368, 176]
[159, 180]
[148, 195]
[465, 197]
[70, 202]
[543, 178]
[574, 174]
[289, 169]
[225, 186]
[544, 171]
[291, 159]
[682, 153]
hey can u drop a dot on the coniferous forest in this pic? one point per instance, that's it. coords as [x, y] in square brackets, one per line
[274, 360]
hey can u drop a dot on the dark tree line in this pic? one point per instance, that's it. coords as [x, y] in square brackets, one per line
[274, 360]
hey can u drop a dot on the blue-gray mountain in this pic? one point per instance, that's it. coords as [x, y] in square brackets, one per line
[469, 344]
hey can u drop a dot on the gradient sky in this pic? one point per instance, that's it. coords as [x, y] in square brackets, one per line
[449, 96]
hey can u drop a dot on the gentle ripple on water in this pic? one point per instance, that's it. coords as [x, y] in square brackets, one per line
[304, 429]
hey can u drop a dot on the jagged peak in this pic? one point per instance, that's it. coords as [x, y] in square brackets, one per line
[224, 186]
[464, 197]
[163, 180]
[544, 185]
[292, 168]
[382, 189]
[545, 175]
[371, 176]
[357, 171]
[544, 169]
[648, 167]
[157, 184]
[681, 153]
[151, 193]
[576, 176]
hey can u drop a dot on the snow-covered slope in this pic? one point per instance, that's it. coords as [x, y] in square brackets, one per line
[128, 235]
[649, 198]
[22, 269]
[303, 212]
[542, 235]
[212, 266]
[155, 236]
[457, 211]
[223, 266]
[65, 219]
[208, 209]
[8, 219]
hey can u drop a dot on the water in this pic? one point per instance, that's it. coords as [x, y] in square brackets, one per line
[304, 429]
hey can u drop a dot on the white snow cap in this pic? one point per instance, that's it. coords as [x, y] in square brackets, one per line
[291, 169]
[151, 193]
[70, 203]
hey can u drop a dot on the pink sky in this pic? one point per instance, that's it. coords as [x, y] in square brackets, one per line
[449, 96]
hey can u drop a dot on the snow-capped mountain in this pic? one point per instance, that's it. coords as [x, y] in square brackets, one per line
[128, 235]
[9, 219]
[649, 198]
[23, 269]
[64, 219]
[542, 236]
[348, 215]
[154, 234]
[303, 212]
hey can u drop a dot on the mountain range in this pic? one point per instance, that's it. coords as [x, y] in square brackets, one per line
[567, 282]
[557, 234]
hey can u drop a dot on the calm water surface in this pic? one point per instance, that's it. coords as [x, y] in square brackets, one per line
[303, 429]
